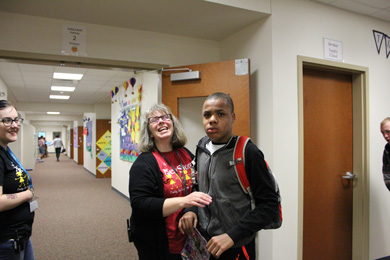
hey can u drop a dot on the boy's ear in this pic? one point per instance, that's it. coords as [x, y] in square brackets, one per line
[233, 117]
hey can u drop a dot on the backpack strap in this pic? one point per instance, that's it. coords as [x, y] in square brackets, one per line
[239, 166]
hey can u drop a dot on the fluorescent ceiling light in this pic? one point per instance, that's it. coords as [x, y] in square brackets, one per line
[69, 76]
[59, 88]
[53, 113]
[59, 97]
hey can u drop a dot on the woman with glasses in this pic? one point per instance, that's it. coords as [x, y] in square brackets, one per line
[160, 187]
[16, 192]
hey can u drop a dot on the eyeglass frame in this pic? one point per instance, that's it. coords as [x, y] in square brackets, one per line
[156, 119]
[18, 121]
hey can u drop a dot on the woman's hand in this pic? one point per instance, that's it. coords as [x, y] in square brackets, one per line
[197, 198]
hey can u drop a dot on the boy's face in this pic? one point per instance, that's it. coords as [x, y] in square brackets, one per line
[218, 120]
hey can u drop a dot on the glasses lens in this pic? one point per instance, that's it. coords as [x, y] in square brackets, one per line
[19, 121]
[156, 119]
[7, 121]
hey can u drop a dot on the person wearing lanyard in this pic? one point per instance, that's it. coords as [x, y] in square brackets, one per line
[17, 203]
[160, 187]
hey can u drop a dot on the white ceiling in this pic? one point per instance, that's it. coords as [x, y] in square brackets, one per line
[379, 9]
[31, 82]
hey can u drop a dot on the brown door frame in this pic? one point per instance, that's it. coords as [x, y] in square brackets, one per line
[80, 150]
[360, 225]
[71, 146]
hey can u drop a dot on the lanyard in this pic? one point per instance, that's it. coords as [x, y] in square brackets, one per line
[183, 180]
[10, 153]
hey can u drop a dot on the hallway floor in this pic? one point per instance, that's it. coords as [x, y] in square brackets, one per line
[79, 216]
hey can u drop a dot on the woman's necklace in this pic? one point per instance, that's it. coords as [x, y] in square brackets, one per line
[183, 180]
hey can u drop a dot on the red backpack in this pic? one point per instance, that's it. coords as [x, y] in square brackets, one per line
[239, 166]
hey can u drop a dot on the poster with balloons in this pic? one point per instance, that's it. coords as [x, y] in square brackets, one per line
[129, 117]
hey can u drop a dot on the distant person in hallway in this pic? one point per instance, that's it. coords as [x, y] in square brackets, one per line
[160, 187]
[58, 145]
[46, 152]
[42, 148]
[385, 130]
[229, 223]
[16, 192]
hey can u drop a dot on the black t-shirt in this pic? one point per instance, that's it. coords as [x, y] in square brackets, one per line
[14, 180]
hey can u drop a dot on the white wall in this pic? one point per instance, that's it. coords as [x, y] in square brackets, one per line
[102, 111]
[151, 88]
[3, 88]
[297, 27]
[29, 143]
[90, 156]
[25, 33]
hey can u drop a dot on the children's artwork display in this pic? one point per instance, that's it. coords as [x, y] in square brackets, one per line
[88, 133]
[129, 118]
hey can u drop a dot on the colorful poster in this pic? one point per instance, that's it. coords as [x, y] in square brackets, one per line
[129, 132]
[88, 130]
[129, 117]
[104, 144]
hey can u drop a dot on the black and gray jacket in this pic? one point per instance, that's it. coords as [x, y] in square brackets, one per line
[386, 166]
[230, 211]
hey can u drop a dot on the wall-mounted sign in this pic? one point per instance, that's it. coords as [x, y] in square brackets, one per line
[242, 67]
[333, 50]
[74, 40]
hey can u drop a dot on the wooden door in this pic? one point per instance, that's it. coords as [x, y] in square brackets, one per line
[80, 145]
[71, 152]
[328, 155]
[231, 77]
[103, 148]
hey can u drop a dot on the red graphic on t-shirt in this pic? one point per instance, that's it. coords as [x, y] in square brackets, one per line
[174, 187]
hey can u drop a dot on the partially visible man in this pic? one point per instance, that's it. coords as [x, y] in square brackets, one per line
[385, 130]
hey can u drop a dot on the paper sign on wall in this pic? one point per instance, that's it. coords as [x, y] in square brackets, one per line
[242, 67]
[333, 50]
[74, 40]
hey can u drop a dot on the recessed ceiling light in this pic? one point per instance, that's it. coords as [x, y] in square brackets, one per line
[59, 88]
[69, 76]
[59, 97]
[53, 113]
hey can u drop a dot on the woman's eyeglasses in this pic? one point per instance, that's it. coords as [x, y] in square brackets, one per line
[156, 119]
[9, 121]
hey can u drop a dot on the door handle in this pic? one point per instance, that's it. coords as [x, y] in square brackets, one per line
[349, 176]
